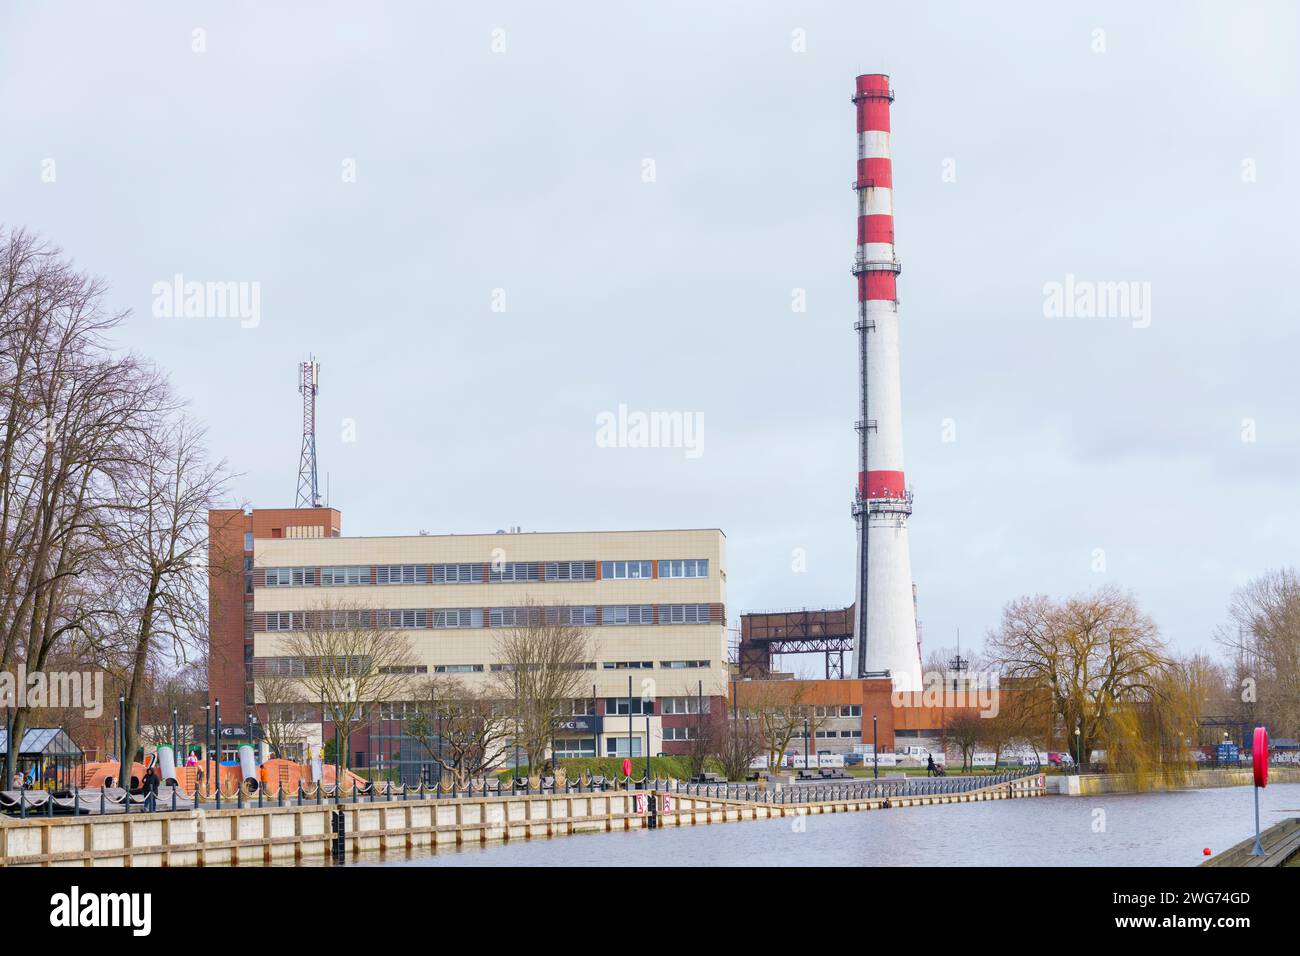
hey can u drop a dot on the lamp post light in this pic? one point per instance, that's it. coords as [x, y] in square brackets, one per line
[1078, 748]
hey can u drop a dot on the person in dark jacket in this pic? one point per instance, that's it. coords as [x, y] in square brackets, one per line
[150, 789]
[929, 765]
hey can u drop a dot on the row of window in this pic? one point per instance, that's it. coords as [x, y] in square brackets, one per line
[417, 618]
[301, 667]
[477, 573]
[581, 707]
[836, 734]
[838, 710]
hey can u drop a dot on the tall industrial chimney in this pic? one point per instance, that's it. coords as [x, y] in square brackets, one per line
[884, 626]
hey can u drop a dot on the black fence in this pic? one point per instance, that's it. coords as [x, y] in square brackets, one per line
[106, 800]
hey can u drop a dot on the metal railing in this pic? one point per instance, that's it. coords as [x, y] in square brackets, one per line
[865, 790]
[106, 800]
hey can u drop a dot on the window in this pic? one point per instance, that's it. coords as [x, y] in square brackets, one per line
[635, 614]
[284, 667]
[394, 710]
[400, 574]
[628, 665]
[617, 706]
[514, 571]
[577, 616]
[619, 570]
[458, 669]
[294, 713]
[682, 705]
[690, 568]
[684, 614]
[337, 576]
[405, 669]
[682, 665]
[570, 571]
[508, 617]
[290, 577]
[280, 621]
[342, 620]
[679, 733]
[248, 541]
[580, 707]
[458, 617]
[403, 618]
[573, 747]
[456, 574]
[618, 747]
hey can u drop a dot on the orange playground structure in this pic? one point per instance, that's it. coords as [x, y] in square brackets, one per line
[279, 773]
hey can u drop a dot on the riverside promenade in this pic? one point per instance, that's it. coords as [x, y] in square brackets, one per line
[398, 821]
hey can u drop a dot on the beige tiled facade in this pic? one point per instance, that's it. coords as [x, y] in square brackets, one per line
[435, 647]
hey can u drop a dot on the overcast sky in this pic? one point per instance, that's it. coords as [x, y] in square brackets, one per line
[644, 188]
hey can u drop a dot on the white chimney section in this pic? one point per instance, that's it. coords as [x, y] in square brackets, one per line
[884, 626]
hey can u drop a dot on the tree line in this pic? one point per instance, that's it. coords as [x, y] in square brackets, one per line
[105, 485]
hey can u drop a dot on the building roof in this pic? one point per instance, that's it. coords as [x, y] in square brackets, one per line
[42, 742]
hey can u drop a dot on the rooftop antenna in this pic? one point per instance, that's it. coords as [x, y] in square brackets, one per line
[308, 386]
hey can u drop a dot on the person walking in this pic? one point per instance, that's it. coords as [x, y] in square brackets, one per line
[929, 765]
[150, 789]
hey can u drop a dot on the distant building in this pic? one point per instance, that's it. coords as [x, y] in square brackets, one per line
[654, 601]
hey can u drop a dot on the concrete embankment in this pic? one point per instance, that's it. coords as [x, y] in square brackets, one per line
[258, 835]
[1097, 784]
[1280, 843]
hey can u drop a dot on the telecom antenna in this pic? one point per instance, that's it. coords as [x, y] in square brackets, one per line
[308, 386]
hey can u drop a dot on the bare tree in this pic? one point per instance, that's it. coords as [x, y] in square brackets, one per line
[346, 660]
[159, 546]
[70, 411]
[462, 728]
[965, 732]
[779, 710]
[544, 658]
[738, 743]
[1264, 640]
[284, 727]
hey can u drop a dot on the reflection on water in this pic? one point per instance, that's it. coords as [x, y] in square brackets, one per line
[1154, 829]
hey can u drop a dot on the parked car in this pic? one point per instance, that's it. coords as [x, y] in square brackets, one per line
[853, 760]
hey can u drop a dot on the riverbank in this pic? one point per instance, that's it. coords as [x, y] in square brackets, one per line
[1097, 784]
[299, 834]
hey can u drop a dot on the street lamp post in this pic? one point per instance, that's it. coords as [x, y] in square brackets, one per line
[122, 774]
[207, 744]
[1078, 748]
[875, 751]
[805, 743]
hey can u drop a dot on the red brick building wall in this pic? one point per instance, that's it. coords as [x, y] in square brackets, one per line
[229, 601]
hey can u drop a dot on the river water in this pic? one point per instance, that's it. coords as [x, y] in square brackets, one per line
[1150, 829]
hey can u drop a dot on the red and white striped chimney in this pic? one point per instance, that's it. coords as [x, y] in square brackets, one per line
[884, 627]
